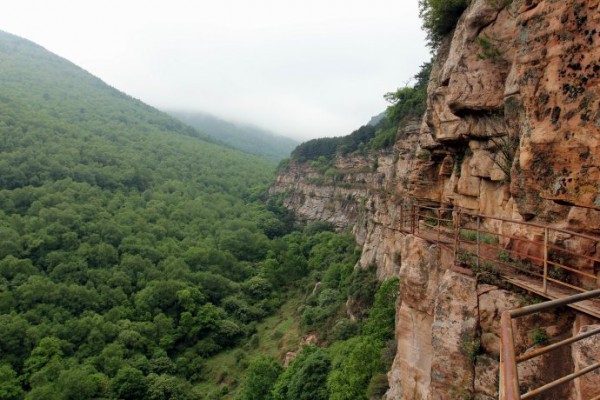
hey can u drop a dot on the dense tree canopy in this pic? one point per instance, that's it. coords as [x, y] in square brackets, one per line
[131, 246]
[134, 249]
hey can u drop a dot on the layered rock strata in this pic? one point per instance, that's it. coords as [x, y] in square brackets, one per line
[512, 130]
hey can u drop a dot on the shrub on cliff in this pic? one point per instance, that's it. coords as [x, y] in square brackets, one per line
[409, 101]
[440, 17]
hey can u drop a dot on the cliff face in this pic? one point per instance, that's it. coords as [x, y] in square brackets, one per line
[512, 130]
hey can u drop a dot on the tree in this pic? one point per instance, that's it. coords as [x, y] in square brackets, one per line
[168, 387]
[260, 378]
[306, 376]
[355, 361]
[440, 17]
[380, 322]
[129, 384]
[409, 101]
[10, 389]
[49, 348]
[82, 383]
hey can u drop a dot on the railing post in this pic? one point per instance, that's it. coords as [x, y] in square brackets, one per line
[439, 223]
[545, 283]
[412, 219]
[457, 236]
[478, 239]
[402, 218]
[417, 219]
[509, 377]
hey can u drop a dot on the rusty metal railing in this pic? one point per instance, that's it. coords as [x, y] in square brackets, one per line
[549, 261]
[509, 377]
[552, 256]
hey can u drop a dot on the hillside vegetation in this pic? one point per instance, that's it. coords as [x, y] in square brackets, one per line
[123, 234]
[243, 137]
[134, 250]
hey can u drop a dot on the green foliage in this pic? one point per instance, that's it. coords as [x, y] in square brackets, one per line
[260, 378]
[505, 257]
[9, 385]
[130, 245]
[539, 336]
[354, 363]
[409, 102]
[305, 378]
[315, 148]
[82, 383]
[167, 387]
[488, 49]
[424, 155]
[505, 155]
[377, 387]
[322, 164]
[357, 350]
[362, 289]
[129, 384]
[283, 164]
[440, 17]
[327, 148]
[380, 323]
[384, 137]
[484, 237]
[471, 348]
[466, 258]
[489, 273]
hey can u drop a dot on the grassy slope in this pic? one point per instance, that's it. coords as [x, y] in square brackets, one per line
[275, 336]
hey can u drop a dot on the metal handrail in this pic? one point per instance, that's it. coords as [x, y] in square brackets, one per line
[439, 230]
[509, 376]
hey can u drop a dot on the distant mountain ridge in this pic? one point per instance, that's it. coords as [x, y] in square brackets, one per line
[247, 138]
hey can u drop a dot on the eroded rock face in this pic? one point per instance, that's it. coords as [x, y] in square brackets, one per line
[454, 338]
[585, 353]
[528, 72]
[512, 130]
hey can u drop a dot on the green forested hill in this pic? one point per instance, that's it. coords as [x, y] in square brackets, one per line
[129, 242]
[140, 260]
[246, 138]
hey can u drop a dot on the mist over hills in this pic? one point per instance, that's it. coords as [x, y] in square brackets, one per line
[73, 125]
[244, 137]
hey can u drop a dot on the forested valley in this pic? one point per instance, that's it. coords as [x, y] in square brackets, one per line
[140, 259]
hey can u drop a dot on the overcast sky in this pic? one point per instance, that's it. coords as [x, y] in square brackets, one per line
[303, 69]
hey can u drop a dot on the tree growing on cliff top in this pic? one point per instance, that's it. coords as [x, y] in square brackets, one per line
[440, 17]
[409, 101]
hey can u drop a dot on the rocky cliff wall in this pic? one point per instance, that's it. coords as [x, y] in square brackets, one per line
[512, 129]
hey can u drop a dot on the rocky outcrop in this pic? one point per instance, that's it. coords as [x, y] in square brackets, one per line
[585, 353]
[512, 130]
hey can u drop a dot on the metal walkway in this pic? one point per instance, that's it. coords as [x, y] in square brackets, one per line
[554, 263]
[551, 262]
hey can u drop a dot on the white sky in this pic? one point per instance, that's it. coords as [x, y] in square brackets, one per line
[303, 69]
